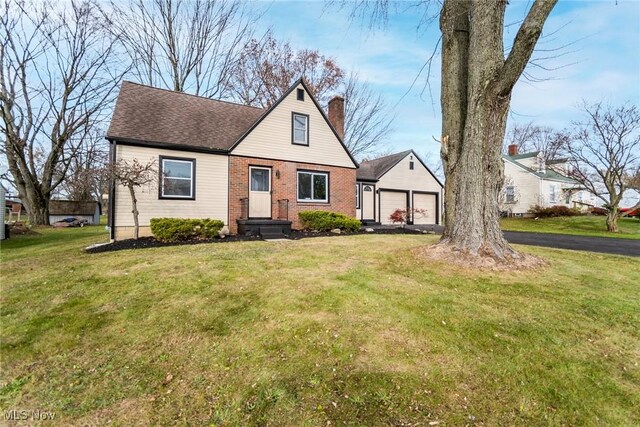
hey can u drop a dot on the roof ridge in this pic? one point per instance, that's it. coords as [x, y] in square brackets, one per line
[191, 95]
[389, 155]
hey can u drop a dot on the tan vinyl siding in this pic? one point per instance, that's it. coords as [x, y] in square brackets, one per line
[527, 188]
[400, 177]
[211, 198]
[271, 139]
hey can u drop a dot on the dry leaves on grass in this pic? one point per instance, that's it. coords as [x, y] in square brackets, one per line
[451, 256]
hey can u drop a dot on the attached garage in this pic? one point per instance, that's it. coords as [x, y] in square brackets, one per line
[427, 202]
[398, 181]
[390, 200]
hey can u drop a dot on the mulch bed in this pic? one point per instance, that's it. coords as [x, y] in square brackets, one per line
[152, 242]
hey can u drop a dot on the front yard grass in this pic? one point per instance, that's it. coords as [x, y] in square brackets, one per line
[580, 225]
[352, 330]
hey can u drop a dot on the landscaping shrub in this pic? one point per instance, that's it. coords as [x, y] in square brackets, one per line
[598, 211]
[179, 229]
[325, 221]
[553, 211]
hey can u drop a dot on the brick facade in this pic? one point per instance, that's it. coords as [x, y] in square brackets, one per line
[342, 194]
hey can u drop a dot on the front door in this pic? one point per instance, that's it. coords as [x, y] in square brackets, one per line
[259, 192]
[368, 210]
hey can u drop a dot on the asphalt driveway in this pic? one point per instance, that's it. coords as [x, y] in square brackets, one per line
[606, 245]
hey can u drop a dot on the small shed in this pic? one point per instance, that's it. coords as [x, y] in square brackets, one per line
[61, 209]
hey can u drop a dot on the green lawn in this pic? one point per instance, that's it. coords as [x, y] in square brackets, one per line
[348, 330]
[583, 225]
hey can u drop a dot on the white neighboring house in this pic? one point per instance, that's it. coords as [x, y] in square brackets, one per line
[530, 181]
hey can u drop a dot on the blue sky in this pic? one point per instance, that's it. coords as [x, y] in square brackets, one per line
[600, 43]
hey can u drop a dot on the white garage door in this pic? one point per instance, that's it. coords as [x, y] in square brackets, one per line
[427, 202]
[389, 202]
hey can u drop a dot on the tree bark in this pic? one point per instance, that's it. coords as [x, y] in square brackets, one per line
[476, 91]
[35, 202]
[612, 220]
[134, 211]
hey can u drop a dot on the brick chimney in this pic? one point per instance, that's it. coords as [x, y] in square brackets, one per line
[513, 150]
[336, 114]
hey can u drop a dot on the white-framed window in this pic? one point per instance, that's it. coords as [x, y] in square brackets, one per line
[510, 194]
[313, 186]
[357, 196]
[177, 178]
[300, 129]
[553, 194]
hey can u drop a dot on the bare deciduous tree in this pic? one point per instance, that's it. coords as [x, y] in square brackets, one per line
[478, 75]
[367, 117]
[183, 45]
[477, 81]
[58, 79]
[86, 177]
[531, 137]
[267, 68]
[133, 174]
[604, 150]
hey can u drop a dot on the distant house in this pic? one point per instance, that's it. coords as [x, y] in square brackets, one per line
[398, 181]
[61, 209]
[530, 181]
[254, 169]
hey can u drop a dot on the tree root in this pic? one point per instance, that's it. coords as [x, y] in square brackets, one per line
[494, 259]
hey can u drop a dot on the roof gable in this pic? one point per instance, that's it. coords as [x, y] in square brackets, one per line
[373, 170]
[147, 114]
[270, 134]
[548, 174]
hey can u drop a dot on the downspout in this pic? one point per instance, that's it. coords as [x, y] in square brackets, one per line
[112, 192]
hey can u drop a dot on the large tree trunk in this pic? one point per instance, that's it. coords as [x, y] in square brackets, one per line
[612, 220]
[476, 92]
[36, 204]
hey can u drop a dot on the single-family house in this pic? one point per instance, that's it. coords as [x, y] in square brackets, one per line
[398, 181]
[255, 169]
[87, 210]
[530, 181]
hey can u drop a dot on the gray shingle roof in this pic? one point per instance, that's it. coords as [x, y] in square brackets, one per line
[148, 114]
[372, 170]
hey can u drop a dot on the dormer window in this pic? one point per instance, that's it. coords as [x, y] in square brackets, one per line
[300, 94]
[300, 129]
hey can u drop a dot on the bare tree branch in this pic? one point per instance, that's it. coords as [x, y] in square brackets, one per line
[605, 151]
[183, 45]
[59, 75]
